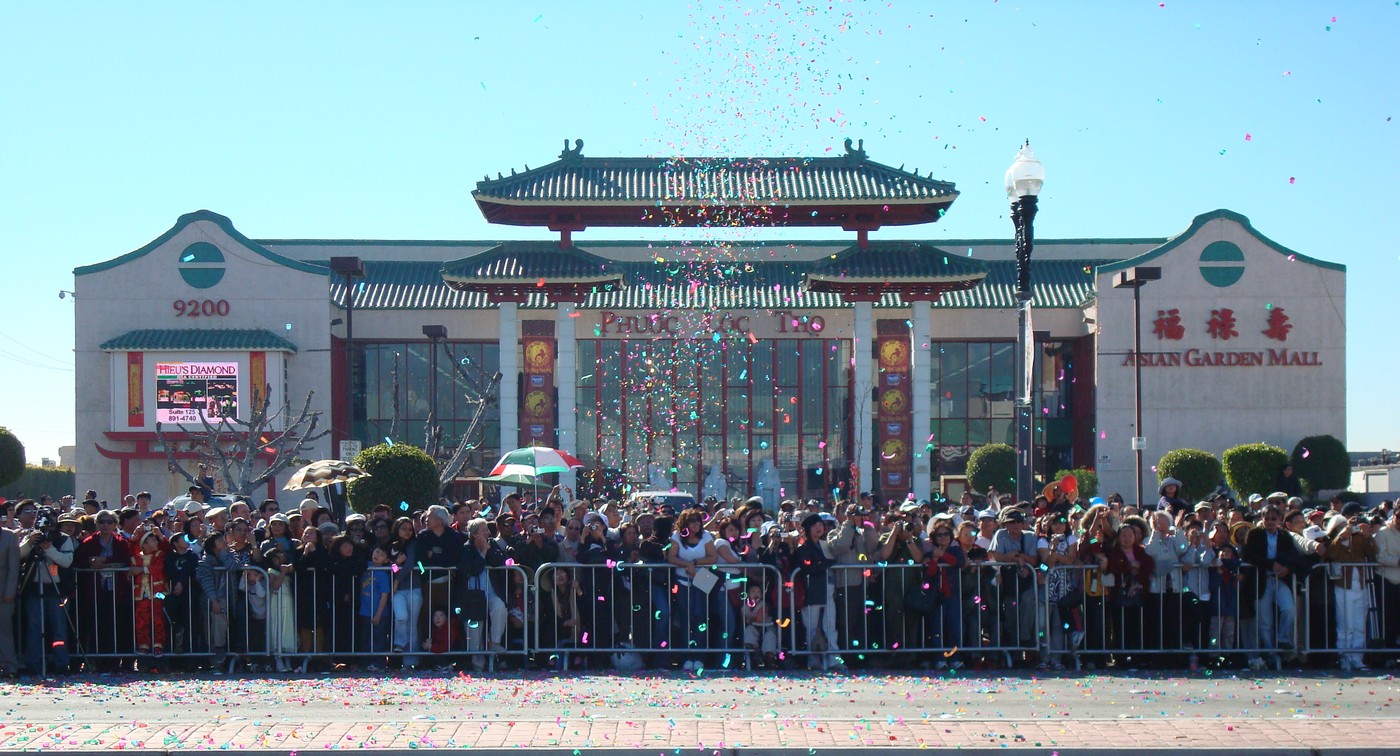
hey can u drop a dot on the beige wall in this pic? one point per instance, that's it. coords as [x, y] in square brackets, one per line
[139, 293]
[1216, 407]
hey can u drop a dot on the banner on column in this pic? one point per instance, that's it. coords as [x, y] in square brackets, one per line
[135, 390]
[537, 423]
[895, 408]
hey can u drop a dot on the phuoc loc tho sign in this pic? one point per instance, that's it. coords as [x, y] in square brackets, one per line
[1223, 326]
[712, 324]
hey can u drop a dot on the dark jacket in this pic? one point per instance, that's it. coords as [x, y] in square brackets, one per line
[1256, 554]
[813, 564]
[471, 563]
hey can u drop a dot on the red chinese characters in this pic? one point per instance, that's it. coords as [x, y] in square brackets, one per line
[1168, 325]
[1278, 325]
[1222, 324]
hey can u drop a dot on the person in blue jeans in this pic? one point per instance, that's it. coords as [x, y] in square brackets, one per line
[1277, 560]
[47, 557]
[374, 605]
[692, 550]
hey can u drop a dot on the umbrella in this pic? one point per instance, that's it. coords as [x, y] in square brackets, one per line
[180, 501]
[528, 463]
[511, 479]
[326, 472]
[535, 460]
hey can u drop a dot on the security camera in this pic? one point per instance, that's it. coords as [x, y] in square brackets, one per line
[62, 294]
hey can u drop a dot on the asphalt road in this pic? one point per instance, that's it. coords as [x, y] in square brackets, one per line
[542, 696]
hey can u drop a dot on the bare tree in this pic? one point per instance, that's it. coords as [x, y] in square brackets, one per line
[234, 448]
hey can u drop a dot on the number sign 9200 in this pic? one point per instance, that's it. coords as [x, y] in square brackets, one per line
[201, 308]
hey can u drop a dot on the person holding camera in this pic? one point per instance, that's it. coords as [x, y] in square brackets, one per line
[47, 555]
[9, 585]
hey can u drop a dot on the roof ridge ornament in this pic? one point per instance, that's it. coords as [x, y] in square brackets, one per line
[576, 152]
[858, 152]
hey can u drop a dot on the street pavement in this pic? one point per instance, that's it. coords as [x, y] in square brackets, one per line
[714, 713]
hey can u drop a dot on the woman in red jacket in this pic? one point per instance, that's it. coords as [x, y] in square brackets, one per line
[1127, 561]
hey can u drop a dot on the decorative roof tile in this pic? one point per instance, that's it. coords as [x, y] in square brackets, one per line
[896, 262]
[767, 284]
[517, 262]
[198, 340]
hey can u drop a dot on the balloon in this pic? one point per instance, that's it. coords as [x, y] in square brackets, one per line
[1069, 484]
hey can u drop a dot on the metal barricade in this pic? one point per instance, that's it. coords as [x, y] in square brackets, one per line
[1343, 612]
[631, 615]
[980, 611]
[341, 614]
[1217, 613]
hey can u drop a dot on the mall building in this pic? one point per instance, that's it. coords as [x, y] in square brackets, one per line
[847, 361]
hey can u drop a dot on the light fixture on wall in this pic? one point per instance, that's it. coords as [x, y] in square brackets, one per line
[64, 294]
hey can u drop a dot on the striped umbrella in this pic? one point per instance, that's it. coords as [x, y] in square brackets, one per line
[534, 460]
[324, 473]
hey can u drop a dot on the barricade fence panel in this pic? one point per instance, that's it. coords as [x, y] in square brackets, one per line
[630, 615]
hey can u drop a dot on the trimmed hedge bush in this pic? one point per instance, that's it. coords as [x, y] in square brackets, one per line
[1253, 468]
[992, 466]
[1199, 472]
[1322, 463]
[399, 474]
[11, 457]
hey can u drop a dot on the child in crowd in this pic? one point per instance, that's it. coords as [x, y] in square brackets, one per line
[760, 632]
[1224, 597]
[148, 585]
[374, 604]
[281, 606]
[443, 639]
[183, 605]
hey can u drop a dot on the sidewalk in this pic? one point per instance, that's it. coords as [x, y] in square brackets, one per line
[1371, 736]
[675, 714]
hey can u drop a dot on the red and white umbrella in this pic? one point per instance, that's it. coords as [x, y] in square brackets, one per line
[534, 460]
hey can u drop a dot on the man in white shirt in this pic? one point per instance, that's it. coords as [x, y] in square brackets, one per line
[1388, 556]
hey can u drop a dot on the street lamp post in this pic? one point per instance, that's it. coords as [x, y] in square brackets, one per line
[436, 335]
[1135, 279]
[349, 268]
[1023, 182]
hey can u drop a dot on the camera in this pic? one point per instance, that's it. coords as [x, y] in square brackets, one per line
[537, 531]
[46, 518]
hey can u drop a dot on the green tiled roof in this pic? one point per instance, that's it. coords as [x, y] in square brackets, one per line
[897, 261]
[527, 262]
[768, 284]
[714, 180]
[199, 340]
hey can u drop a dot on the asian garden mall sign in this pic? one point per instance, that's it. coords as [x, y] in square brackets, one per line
[1223, 326]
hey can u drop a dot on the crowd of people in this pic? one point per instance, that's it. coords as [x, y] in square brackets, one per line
[561, 582]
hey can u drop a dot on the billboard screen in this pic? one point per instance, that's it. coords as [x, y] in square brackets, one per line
[189, 391]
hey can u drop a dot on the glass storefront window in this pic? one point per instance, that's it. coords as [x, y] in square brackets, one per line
[973, 393]
[375, 395]
[693, 404]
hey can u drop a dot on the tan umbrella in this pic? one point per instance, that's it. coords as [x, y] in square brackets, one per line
[324, 473]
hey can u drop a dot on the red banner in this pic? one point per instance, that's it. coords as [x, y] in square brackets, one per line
[135, 390]
[537, 395]
[894, 408]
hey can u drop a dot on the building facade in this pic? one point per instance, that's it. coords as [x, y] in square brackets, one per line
[815, 367]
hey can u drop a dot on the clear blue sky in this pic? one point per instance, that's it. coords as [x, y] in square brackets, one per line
[359, 120]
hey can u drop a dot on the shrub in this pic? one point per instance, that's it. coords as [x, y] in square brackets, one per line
[399, 474]
[992, 466]
[11, 457]
[1088, 481]
[1322, 463]
[1198, 471]
[1253, 468]
[38, 480]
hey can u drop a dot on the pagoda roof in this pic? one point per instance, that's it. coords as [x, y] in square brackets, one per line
[850, 191]
[527, 262]
[761, 284]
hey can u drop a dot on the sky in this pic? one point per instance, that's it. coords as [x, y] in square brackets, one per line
[374, 121]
